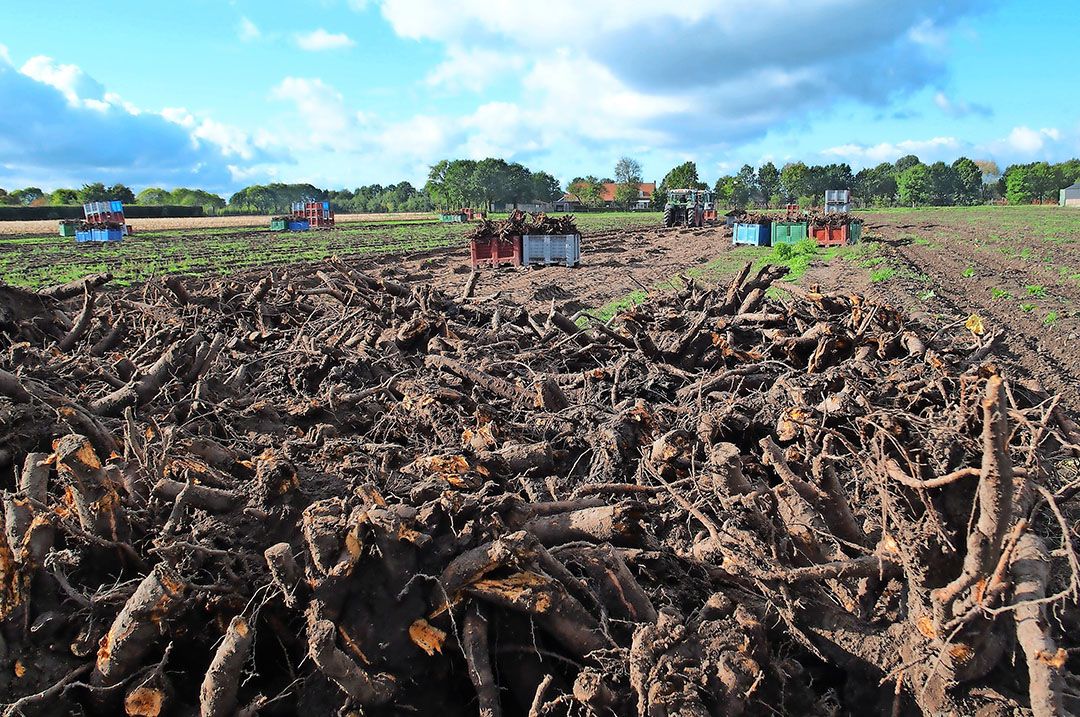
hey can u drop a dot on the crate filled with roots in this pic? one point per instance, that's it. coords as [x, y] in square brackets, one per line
[836, 229]
[525, 240]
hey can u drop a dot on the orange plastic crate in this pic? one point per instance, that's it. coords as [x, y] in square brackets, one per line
[830, 236]
[495, 252]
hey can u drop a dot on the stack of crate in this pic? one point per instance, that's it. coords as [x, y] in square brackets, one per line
[837, 201]
[104, 221]
[319, 214]
[311, 214]
[297, 220]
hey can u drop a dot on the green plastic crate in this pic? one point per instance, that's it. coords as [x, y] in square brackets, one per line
[854, 232]
[67, 229]
[789, 232]
[277, 225]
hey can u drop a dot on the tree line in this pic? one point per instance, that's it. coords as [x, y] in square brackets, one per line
[99, 192]
[265, 199]
[491, 182]
[906, 182]
[1025, 183]
[96, 192]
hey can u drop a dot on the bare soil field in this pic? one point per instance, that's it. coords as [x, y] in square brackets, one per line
[39, 260]
[1018, 269]
[683, 478]
[48, 226]
[617, 265]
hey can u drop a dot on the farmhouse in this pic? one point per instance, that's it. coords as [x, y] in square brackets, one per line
[569, 202]
[533, 206]
[1070, 196]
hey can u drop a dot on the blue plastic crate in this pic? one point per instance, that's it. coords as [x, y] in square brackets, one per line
[298, 225]
[752, 234]
[106, 234]
[83, 235]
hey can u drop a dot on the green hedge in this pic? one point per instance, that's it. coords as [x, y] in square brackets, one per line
[131, 211]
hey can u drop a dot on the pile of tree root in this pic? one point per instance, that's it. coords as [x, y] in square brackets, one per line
[835, 219]
[769, 218]
[519, 223]
[320, 491]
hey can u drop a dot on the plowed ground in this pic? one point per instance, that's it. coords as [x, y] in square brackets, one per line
[1018, 269]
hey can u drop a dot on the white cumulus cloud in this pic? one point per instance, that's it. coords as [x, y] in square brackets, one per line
[473, 68]
[1030, 141]
[686, 75]
[320, 40]
[936, 148]
[1021, 145]
[59, 126]
[322, 108]
[247, 30]
[75, 85]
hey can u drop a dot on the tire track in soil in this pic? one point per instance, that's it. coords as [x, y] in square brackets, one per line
[1051, 363]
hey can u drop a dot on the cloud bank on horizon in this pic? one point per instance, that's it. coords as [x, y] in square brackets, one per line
[720, 82]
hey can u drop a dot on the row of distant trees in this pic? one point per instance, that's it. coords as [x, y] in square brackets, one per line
[906, 182]
[495, 182]
[1025, 183]
[266, 199]
[372, 198]
[96, 192]
[456, 183]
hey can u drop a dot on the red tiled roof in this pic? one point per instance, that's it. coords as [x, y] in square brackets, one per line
[607, 192]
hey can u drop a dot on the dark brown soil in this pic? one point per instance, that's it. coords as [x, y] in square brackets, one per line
[1015, 284]
[613, 265]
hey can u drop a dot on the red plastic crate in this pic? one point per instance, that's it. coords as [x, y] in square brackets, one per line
[495, 252]
[830, 236]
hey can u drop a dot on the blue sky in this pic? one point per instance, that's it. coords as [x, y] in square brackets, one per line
[341, 93]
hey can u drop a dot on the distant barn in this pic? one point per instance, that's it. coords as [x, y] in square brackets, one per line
[1070, 196]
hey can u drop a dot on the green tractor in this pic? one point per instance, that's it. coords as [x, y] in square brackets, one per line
[689, 207]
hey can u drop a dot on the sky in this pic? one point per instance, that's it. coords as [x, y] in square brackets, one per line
[220, 94]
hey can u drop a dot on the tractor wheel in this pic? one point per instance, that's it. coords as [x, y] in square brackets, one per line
[691, 217]
[669, 217]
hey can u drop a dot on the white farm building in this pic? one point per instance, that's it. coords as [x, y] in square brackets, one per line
[1070, 196]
